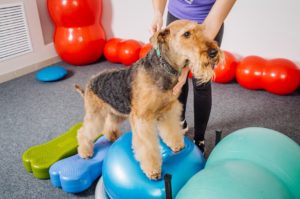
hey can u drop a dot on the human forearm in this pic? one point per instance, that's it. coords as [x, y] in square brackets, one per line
[158, 10]
[216, 17]
[159, 7]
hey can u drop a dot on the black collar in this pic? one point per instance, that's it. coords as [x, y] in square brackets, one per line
[165, 65]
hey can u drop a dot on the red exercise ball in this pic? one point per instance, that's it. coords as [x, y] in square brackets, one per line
[278, 76]
[79, 37]
[281, 76]
[225, 72]
[128, 51]
[84, 46]
[249, 72]
[144, 50]
[111, 50]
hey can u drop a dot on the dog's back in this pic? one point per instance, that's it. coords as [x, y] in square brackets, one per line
[114, 88]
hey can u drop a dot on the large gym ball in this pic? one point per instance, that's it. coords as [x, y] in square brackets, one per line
[123, 177]
[249, 163]
[234, 179]
[267, 148]
[79, 37]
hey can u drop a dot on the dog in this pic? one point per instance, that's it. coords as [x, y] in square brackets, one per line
[143, 94]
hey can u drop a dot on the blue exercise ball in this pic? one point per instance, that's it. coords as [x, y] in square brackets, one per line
[123, 177]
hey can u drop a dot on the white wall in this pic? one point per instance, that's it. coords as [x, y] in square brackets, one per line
[127, 19]
[42, 54]
[270, 29]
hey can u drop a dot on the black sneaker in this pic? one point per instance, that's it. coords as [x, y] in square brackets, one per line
[200, 145]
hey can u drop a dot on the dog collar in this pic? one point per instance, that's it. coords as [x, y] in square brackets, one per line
[157, 50]
[165, 64]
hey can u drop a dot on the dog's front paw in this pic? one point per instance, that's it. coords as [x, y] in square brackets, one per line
[85, 152]
[176, 147]
[151, 169]
[154, 174]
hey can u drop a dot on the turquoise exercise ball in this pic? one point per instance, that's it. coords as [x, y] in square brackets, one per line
[123, 177]
[267, 148]
[234, 179]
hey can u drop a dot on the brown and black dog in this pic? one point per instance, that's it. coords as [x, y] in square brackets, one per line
[143, 93]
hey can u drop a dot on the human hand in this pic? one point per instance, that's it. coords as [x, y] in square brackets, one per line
[181, 80]
[157, 23]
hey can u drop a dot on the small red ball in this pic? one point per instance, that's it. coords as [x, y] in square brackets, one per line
[111, 49]
[128, 51]
[144, 50]
[249, 72]
[281, 76]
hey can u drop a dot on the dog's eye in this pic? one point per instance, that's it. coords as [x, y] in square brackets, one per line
[187, 34]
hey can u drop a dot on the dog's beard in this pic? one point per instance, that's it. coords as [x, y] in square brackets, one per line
[204, 77]
[203, 72]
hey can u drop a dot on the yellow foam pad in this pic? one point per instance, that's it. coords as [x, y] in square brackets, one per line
[38, 159]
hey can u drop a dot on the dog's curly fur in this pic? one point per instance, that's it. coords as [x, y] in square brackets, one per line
[143, 93]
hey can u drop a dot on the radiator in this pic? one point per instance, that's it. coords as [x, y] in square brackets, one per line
[14, 35]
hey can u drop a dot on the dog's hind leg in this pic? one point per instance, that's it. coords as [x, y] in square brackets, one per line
[87, 134]
[170, 129]
[111, 127]
[92, 125]
[146, 146]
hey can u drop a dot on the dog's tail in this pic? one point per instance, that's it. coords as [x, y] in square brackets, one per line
[79, 90]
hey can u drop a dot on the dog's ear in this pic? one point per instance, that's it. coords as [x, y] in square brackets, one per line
[159, 37]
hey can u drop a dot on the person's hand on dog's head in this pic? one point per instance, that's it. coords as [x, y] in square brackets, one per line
[157, 23]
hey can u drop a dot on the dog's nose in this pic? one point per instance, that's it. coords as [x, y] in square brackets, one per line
[212, 52]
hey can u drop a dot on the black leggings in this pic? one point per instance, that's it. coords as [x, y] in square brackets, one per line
[202, 95]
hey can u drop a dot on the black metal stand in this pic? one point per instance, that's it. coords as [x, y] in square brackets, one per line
[168, 186]
[218, 136]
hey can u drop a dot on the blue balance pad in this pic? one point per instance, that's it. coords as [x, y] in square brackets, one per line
[51, 73]
[75, 174]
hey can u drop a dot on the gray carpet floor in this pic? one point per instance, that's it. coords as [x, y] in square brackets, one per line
[33, 112]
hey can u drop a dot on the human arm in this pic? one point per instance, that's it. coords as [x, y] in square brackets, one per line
[158, 10]
[216, 17]
[181, 80]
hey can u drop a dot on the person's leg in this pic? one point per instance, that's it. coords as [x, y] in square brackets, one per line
[185, 89]
[202, 109]
[202, 104]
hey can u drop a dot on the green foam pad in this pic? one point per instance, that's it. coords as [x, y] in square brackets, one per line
[39, 158]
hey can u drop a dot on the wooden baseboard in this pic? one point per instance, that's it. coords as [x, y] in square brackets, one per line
[28, 69]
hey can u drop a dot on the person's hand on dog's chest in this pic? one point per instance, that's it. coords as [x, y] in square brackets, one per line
[181, 80]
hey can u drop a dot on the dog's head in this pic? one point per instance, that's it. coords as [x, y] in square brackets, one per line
[182, 43]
